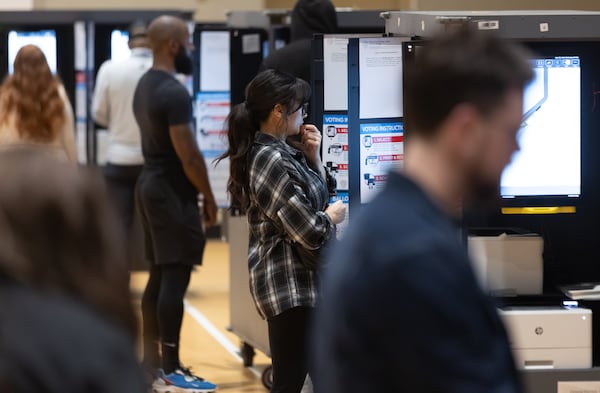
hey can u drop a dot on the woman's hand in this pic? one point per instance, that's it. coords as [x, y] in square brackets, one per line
[310, 144]
[336, 212]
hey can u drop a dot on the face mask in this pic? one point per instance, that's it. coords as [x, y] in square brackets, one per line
[183, 63]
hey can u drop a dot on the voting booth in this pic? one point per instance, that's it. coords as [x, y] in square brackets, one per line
[558, 202]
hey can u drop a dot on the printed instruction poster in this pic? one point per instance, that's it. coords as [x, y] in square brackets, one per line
[381, 150]
[212, 109]
[343, 196]
[335, 148]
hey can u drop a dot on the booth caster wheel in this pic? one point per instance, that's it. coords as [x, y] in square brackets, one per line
[267, 377]
[247, 352]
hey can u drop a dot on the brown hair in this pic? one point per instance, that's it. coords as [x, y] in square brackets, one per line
[31, 94]
[461, 66]
[60, 234]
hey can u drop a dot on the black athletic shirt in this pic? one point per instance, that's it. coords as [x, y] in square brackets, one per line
[161, 101]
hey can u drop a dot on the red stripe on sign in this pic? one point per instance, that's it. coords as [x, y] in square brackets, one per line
[388, 139]
[391, 157]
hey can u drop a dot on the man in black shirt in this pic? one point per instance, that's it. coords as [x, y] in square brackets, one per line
[167, 198]
[401, 308]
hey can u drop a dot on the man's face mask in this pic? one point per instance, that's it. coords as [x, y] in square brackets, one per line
[183, 62]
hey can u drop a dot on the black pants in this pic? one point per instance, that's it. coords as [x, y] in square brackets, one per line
[289, 344]
[120, 181]
[162, 314]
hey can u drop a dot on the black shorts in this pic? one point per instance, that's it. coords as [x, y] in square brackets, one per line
[172, 222]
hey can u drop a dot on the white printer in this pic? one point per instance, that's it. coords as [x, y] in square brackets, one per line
[549, 337]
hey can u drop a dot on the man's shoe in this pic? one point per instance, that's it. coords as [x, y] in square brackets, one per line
[181, 381]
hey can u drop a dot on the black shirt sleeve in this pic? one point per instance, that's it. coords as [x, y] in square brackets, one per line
[178, 104]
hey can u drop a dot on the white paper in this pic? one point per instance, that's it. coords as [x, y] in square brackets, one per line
[335, 72]
[250, 44]
[380, 62]
[214, 61]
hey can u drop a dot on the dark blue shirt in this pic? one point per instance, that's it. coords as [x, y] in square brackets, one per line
[401, 310]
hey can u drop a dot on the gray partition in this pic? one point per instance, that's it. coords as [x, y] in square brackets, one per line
[244, 320]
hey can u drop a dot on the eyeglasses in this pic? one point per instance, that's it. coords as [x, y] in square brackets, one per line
[304, 107]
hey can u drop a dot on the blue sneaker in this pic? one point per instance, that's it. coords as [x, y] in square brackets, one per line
[181, 381]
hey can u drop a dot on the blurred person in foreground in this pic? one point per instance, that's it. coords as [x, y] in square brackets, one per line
[66, 318]
[167, 199]
[401, 308]
[281, 184]
[112, 107]
[34, 108]
[308, 17]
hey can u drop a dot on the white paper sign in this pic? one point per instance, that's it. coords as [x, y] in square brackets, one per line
[250, 44]
[380, 61]
[214, 61]
[335, 71]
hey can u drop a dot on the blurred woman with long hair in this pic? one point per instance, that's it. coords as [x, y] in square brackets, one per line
[34, 107]
[68, 324]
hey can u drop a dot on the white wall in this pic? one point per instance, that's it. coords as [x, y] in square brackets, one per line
[16, 5]
[205, 10]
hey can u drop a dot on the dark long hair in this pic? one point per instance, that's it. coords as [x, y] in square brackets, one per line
[266, 90]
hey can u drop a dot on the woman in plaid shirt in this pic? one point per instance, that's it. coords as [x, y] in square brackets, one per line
[277, 177]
